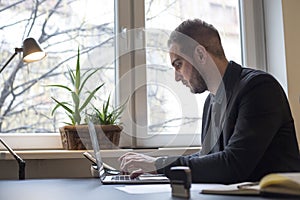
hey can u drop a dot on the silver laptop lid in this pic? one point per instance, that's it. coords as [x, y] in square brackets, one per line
[107, 178]
[96, 148]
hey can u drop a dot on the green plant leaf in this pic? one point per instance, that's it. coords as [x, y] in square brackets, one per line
[105, 115]
[77, 77]
[72, 76]
[72, 119]
[77, 118]
[60, 86]
[86, 78]
[63, 105]
[57, 106]
[77, 105]
[91, 95]
[76, 100]
[76, 111]
[105, 109]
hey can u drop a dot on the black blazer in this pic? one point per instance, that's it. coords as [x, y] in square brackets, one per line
[257, 133]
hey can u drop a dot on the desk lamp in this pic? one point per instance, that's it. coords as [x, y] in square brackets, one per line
[31, 52]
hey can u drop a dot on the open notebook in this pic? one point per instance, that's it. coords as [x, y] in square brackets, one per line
[107, 178]
[275, 184]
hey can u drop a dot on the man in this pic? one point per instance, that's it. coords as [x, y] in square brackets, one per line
[247, 128]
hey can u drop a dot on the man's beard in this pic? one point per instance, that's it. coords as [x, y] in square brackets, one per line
[197, 84]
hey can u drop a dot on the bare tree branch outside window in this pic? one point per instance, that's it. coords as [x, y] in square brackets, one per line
[61, 27]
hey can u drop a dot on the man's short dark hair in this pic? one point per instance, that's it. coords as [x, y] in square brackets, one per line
[190, 33]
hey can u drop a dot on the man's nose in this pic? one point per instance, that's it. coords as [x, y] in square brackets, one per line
[178, 76]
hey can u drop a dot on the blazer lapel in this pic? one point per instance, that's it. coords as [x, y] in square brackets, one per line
[225, 94]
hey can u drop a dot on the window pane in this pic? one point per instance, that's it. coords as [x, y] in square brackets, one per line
[61, 27]
[171, 107]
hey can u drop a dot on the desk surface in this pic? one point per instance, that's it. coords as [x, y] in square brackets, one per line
[87, 189]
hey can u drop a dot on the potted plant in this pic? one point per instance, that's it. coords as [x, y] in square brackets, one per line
[75, 134]
[107, 125]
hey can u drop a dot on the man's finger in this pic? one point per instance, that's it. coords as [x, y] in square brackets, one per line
[126, 164]
[136, 173]
[126, 155]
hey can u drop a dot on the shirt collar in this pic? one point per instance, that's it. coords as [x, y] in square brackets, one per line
[226, 81]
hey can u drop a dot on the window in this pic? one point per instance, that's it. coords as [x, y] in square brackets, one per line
[174, 114]
[161, 111]
[61, 27]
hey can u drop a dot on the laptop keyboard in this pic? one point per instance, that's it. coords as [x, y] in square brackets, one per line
[122, 177]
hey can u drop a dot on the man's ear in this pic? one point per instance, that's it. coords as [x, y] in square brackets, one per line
[200, 54]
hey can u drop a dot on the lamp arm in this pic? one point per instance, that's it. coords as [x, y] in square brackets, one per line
[22, 165]
[21, 162]
[17, 50]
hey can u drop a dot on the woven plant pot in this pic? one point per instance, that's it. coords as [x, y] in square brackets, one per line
[78, 137]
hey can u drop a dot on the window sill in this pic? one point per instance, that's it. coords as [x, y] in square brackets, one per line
[31, 141]
[74, 154]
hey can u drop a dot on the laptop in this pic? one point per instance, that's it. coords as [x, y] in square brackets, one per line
[109, 176]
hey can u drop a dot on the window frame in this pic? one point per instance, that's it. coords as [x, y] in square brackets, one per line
[253, 55]
[129, 14]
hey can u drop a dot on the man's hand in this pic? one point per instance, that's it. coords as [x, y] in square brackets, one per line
[136, 164]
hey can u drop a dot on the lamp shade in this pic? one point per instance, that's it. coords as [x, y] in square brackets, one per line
[32, 50]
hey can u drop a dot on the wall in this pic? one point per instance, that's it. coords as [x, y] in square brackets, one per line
[291, 16]
[47, 168]
[51, 167]
[70, 164]
[282, 42]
